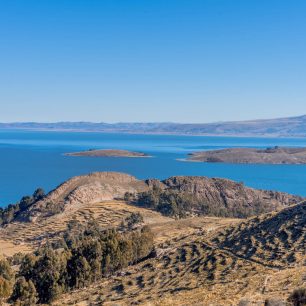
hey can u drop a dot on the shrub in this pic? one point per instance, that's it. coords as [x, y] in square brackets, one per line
[6, 280]
[24, 293]
[298, 297]
[274, 302]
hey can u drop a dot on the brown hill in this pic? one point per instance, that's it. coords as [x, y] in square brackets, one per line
[189, 194]
[83, 190]
[183, 196]
[275, 155]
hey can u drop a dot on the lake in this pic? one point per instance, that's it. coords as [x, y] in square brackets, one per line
[31, 159]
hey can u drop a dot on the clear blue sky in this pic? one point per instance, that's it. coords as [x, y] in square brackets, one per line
[155, 60]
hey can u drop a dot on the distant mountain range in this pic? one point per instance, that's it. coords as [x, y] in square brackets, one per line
[281, 127]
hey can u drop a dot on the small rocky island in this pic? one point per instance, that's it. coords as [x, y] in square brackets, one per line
[108, 153]
[273, 155]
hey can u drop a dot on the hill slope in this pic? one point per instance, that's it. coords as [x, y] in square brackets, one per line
[190, 196]
[277, 238]
[202, 267]
[217, 261]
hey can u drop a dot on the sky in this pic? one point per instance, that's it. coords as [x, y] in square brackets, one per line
[152, 61]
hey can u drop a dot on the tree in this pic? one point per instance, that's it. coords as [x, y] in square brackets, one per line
[39, 194]
[6, 280]
[25, 202]
[5, 289]
[47, 272]
[79, 271]
[24, 293]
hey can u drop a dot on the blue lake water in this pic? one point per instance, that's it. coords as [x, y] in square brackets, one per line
[35, 159]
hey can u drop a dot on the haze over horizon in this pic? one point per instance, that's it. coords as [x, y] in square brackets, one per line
[160, 61]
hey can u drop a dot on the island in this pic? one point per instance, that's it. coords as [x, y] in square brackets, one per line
[108, 153]
[273, 155]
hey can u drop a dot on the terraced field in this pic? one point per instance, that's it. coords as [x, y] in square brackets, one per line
[196, 261]
[204, 268]
[19, 236]
[188, 271]
[25, 236]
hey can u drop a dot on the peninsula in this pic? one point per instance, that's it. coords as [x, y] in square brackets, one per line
[274, 155]
[108, 153]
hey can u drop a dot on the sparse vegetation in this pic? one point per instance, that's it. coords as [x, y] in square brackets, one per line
[133, 220]
[11, 212]
[180, 204]
[88, 253]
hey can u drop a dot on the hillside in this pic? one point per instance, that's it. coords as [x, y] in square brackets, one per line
[184, 196]
[176, 197]
[214, 260]
[278, 238]
[198, 267]
[285, 127]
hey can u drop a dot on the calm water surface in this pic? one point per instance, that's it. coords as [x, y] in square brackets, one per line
[35, 159]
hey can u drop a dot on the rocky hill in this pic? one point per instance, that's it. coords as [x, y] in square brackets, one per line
[183, 196]
[191, 195]
[83, 190]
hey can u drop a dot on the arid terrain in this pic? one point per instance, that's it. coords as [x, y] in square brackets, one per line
[198, 259]
[108, 153]
[274, 155]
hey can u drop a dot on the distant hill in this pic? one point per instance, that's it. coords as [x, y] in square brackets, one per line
[272, 155]
[285, 127]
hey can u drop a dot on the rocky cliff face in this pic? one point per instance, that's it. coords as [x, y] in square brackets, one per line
[97, 187]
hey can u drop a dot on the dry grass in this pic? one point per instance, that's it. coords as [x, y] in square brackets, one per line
[22, 237]
[190, 267]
